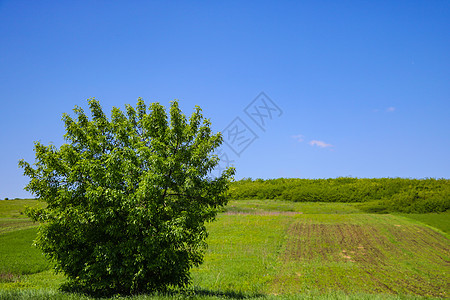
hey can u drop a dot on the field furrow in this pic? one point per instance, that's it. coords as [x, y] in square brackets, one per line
[383, 258]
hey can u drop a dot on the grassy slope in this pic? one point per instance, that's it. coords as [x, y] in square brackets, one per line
[437, 220]
[17, 254]
[307, 250]
[12, 214]
[373, 254]
[324, 248]
[16, 208]
[260, 206]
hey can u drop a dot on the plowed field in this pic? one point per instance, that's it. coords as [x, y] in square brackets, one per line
[386, 258]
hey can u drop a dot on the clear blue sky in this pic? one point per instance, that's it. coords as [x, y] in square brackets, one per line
[362, 87]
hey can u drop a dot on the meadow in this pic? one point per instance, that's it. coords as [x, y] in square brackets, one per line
[273, 249]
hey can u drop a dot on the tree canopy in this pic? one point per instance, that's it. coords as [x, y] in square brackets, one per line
[128, 197]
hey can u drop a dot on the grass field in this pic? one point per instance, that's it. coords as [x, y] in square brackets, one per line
[12, 214]
[279, 250]
[440, 221]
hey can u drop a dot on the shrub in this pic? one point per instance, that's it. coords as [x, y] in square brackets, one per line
[127, 198]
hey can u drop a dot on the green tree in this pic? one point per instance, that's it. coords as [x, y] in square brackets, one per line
[127, 198]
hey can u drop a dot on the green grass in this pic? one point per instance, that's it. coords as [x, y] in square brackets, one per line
[440, 221]
[13, 224]
[12, 214]
[243, 253]
[266, 249]
[18, 256]
[353, 253]
[16, 208]
[280, 206]
[364, 254]
[28, 294]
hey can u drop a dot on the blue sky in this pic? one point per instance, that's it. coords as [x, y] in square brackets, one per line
[362, 87]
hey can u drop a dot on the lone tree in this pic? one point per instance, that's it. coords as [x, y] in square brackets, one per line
[127, 198]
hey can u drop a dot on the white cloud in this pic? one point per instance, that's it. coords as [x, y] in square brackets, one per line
[320, 144]
[390, 109]
[298, 137]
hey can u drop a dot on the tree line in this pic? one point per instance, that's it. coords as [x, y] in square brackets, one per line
[380, 195]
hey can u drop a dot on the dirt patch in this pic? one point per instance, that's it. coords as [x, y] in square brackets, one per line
[9, 277]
